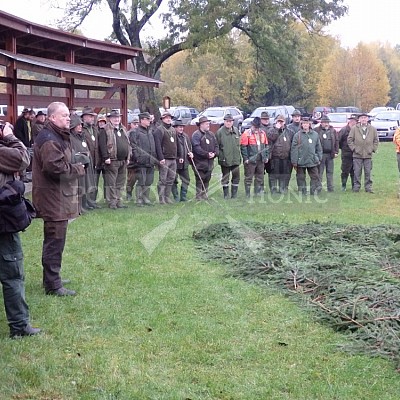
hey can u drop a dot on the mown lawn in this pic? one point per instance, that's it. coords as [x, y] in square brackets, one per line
[152, 320]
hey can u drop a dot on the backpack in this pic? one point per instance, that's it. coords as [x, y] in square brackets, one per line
[16, 212]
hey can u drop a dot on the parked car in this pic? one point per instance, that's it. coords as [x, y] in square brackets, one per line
[319, 111]
[377, 110]
[348, 109]
[386, 123]
[273, 112]
[194, 112]
[338, 120]
[182, 113]
[216, 115]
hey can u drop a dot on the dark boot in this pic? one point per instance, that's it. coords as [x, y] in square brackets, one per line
[234, 190]
[146, 196]
[183, 193]
[161, 193]
[129, 195]
[167, 195]
[226, 192]
[344, 182]
[247, 190]
[139, 195]
[174, 191]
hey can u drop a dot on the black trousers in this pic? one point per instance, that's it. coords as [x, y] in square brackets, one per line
[202, 177]
[185, 177]
[12, 279]
[55, 233]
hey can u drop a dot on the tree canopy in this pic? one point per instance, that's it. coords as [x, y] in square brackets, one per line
[189, 23]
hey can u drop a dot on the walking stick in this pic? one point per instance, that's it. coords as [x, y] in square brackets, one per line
[197, 171]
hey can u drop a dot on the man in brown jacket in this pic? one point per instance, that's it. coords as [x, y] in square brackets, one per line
[114, 152]
[55, 192]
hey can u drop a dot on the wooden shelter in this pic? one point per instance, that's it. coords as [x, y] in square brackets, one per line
[68, 63]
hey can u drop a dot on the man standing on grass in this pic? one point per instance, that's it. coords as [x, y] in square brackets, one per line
[255, 152]
[363, 142]
[144, 158]
[330, 150]
[229, 157]
[346, 153]
[205, 149]
[167, 153]
[14, 157]
[55, 192]
[114, 150]
[306, 155]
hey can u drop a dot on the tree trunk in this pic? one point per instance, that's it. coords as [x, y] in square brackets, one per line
[147, 101]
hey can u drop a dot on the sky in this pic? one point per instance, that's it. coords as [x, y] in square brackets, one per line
[367, 20]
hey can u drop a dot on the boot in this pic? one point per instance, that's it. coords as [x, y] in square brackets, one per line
[146, 196]
[226, 192]
[234, 190]
[247, 190]
[161, 193]
[167, 194]
[174, 191]
[344, 182]
[129, 195]
[139, 195]
[183, 193]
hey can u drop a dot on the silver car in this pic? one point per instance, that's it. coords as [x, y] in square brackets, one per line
[386, 123]
[216, 115]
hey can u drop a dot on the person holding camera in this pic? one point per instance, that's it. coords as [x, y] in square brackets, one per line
[14, 158]
[55, 192]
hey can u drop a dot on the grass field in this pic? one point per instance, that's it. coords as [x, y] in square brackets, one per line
[152, 320]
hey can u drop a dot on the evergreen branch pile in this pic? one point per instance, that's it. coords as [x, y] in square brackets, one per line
[348, 274]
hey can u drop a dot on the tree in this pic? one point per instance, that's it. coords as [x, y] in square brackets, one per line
[189, 23]
[354, 77]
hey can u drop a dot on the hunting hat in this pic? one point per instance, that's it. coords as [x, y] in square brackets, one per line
[40, 113]
[280, 117]
[228, 117]
[264, 114]
[114, 113]
[101, 117]
[202, 119]
[75, 121]
[353, 116]
[296, 112]
[363, 114]
[25, 110]
[256, 122]
[144, 115]
[166, 114]
[88, 111]
[178, 122]
[305, 119]
[325, 118]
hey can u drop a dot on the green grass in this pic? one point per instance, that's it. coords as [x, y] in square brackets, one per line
[152, 320]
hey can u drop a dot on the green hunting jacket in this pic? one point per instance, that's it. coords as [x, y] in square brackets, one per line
[306, 149]
[229, 146]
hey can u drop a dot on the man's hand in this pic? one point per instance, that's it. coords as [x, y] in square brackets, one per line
[190, 154]
[211, 155]
[162, 162]
[108, 161]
